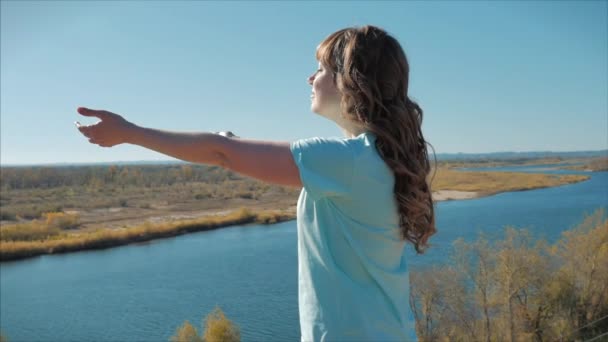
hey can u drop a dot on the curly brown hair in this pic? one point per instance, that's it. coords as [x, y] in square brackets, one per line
[371, 71]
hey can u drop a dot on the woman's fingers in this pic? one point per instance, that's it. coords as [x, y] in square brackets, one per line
[85, 130]
[108, 132]
[102, 114]
[98, 142]
[88, 130]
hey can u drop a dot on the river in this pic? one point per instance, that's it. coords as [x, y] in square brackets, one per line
[144, 292]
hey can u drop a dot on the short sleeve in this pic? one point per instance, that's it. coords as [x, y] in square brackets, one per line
[325, 166]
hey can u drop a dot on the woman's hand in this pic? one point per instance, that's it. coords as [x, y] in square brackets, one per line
[112, 130]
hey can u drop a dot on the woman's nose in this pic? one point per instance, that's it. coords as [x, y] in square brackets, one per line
[311, 78]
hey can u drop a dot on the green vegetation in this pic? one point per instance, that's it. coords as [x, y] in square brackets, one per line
[50, 236]
[518, 289]
[217, 328]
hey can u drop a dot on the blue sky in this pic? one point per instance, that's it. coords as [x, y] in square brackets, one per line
[490, 76]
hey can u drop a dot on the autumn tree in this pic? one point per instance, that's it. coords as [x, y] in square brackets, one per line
[581, 286]
[518, 288]
[186, 333]
[217, 328]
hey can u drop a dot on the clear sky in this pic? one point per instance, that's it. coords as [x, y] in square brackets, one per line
[490, 76]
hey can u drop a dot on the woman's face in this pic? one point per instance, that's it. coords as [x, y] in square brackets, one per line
[325, 97]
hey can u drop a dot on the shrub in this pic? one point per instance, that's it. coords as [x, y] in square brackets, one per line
[28, 232]
[186, 333]
[7, 216]
[246, 195]
[201, 196]
[35, 211]
[62, 220]
[218, 328]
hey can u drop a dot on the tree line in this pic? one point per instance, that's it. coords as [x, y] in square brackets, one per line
[37, 177]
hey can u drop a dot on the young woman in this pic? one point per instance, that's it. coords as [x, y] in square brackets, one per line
[364, 196]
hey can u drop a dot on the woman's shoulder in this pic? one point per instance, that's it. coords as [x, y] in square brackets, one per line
[336, 147]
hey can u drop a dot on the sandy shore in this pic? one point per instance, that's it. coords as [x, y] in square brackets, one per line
[446, 195]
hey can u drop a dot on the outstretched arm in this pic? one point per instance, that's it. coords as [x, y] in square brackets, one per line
[265, 160]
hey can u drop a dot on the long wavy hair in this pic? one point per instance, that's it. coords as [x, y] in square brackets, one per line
[371, 72]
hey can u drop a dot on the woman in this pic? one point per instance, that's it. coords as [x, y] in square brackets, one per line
[364, 196]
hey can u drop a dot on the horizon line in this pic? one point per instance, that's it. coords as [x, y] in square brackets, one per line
[179, 161]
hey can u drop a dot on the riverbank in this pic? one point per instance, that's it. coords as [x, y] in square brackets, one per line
[63, 232]
[46, 237]
[470, 184]
[61, 242]
[447, 195]
[593, 165]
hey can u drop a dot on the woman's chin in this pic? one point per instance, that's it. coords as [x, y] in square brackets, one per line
[319, 111]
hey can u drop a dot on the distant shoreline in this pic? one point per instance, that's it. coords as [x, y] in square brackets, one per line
[100, 228]
[441, 157]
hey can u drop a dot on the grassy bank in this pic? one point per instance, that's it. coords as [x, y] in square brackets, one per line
[488, 183]
[41, 237]
[594, 165]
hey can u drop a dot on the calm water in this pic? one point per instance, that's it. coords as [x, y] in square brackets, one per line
[144, 292]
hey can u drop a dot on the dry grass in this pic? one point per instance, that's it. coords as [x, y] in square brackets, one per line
[32, 203]
[51, 227]
[486, 183]
[31, 231]
[598, 164]
[36, 238]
